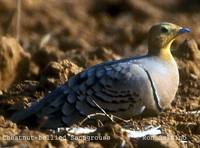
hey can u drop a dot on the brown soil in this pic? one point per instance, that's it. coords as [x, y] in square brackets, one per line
[58, 39]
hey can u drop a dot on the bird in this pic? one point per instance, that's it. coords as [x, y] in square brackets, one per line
[124, 88]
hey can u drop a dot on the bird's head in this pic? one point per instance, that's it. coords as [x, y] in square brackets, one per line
[161, 37]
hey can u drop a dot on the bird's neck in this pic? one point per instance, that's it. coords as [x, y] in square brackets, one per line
[163, 53]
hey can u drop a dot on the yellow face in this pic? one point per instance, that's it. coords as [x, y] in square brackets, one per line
[162, 35]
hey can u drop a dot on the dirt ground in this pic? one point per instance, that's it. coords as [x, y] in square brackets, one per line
[59, 38]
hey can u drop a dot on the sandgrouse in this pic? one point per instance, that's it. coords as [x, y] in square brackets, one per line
[123, 87]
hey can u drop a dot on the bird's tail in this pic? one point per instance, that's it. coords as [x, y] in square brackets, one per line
[25, 113]
[37, 106]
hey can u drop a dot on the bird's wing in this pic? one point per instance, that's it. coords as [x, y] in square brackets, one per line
[117, 87]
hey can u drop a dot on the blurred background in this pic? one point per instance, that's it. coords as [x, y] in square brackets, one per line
[82, 25]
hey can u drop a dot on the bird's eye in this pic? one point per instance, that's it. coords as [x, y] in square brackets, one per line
[164, 30]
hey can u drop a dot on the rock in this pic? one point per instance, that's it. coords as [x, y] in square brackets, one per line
[56, 73]
[188, 60]
[47, 54]
[188, 50]
[101, 55]
[105, 54]
[14, 62]
[188, 56]
[113, 136]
